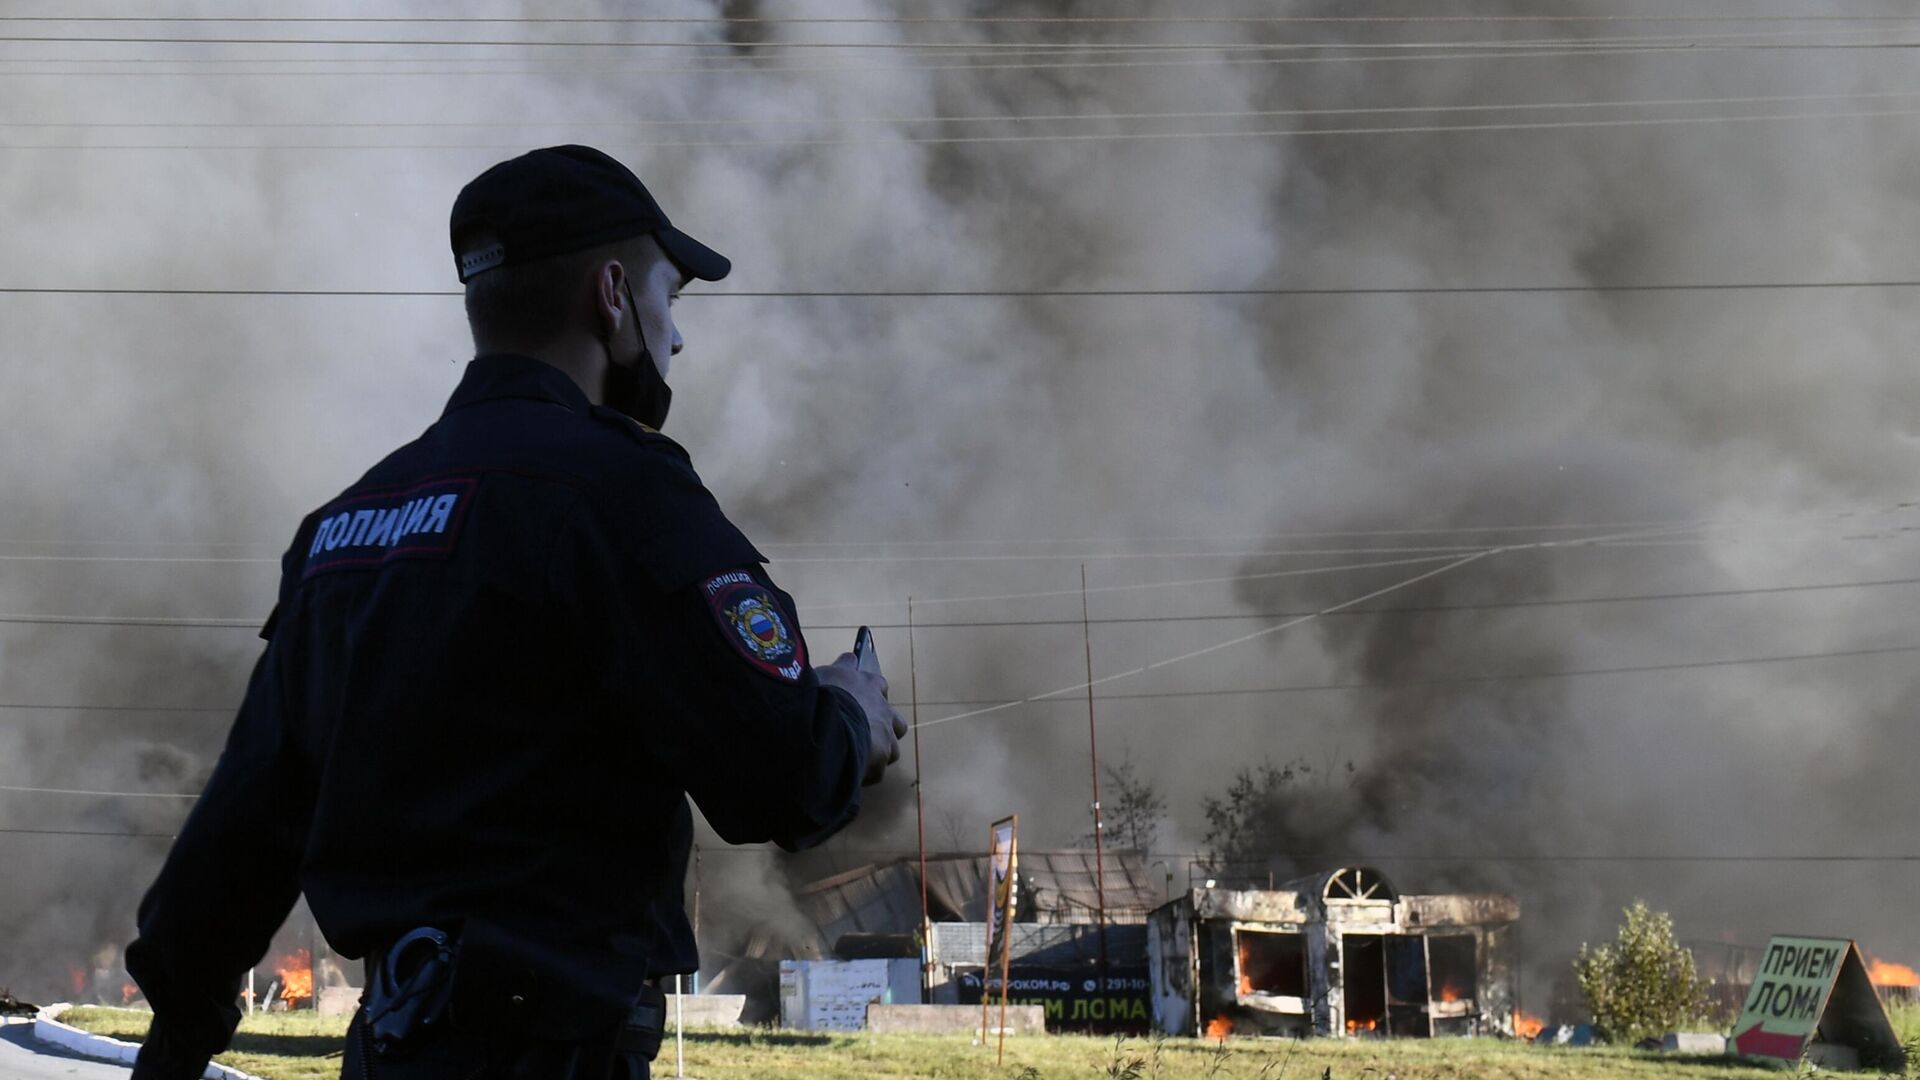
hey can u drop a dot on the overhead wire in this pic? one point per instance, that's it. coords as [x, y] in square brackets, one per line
[280, 65]
[235, 622]
[1046, 293]
[828, 120]
[1757, 17]
[1843, 515]
[1055, 137]
[88, 832]
[1456, 680]
[730, 47]
[240, 623]
[97, 794]
[1382, 685]
[879, 558]
[1276, 628]
[1218, 692]
[1217, 646]
[1421, 609]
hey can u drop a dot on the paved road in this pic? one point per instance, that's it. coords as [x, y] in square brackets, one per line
[24, 1058]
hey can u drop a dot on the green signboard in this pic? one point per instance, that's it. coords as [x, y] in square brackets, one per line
[1813, 990]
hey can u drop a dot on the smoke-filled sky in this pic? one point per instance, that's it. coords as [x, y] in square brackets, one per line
[953, 447]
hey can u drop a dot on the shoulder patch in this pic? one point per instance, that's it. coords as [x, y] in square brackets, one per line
[377, 526]
[642, 434]
[755, 624]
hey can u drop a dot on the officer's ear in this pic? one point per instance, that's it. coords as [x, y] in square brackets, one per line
[610, 297]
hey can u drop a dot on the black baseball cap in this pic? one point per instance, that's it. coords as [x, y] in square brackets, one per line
[562, 199]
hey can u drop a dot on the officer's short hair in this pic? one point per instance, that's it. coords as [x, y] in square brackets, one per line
[528, 305]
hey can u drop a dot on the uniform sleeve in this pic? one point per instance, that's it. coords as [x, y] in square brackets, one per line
[702, 659]
[226, 886]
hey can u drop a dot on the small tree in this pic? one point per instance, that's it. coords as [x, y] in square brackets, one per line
[1133, 810]
[1642, 985]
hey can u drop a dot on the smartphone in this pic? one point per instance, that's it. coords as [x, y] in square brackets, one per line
[865, 657]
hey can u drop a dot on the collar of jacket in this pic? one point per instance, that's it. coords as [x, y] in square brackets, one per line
[494, 376]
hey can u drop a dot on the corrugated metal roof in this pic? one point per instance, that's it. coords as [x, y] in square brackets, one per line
[1055, 887]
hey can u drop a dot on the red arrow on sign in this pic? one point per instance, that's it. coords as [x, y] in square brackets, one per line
[1758, 1042]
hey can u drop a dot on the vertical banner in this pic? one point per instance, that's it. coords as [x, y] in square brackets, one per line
[1003, 860]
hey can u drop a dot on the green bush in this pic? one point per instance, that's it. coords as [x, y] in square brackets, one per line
[1643, 985]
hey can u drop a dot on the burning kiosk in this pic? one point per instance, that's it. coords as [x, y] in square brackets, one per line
[1340, 952]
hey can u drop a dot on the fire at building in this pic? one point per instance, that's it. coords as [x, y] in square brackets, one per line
[1336, 953]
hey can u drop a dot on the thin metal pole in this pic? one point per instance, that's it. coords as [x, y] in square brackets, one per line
[679, 1030]
[696, 907]
[1093, 747]
[920, 815]
[1006, 948]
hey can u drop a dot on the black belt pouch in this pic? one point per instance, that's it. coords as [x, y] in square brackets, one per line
[509, 987]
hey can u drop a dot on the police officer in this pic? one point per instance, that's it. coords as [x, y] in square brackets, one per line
[497, 666]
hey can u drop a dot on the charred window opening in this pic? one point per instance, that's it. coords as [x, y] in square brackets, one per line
[1364, 969]
[1450, 960]
[1271, 962]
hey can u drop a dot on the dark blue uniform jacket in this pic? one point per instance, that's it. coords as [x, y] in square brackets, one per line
[498, 665]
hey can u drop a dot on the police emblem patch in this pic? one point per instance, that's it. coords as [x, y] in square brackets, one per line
[756, 625]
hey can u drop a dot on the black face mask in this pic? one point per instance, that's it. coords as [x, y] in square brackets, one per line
[639, 391]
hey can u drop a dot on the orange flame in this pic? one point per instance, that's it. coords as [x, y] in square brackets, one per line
[1450, 992]
[1355, 1027]
[1219, 1028]
[128, 992]
[296, 975]
[1526, 1025]
[1883, 973]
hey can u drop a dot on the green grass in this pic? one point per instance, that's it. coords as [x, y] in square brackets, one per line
[1906, 1021]
[278, 1046]
[302, 1046]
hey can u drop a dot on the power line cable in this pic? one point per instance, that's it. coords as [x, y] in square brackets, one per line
[251, 624]
[1848, 515]
[1344, 857]
[1635, 669]
[971, 19]
[1269, 630]
[863, 559]
[236, 622]
[1016, 557]
[1845, 514]
[1254, 691]
[1049, 293]
[1058, 137]
[1423, 609]
[282, 66]
[1144, 668]
[1684, 38]
[88, 832]
[96, 794]
[1350, 858]
[1454, 680]
[963, 119]
[965, 20]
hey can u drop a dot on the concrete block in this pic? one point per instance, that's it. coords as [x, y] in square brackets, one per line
[1694, 1042]
[706, 1010]
[940, 1019]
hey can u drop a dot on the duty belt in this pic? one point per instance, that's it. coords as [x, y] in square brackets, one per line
[411, 988]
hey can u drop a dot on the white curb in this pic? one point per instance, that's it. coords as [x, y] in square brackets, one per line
[47, 1028]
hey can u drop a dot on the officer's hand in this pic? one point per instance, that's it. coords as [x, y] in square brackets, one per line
[884, 726]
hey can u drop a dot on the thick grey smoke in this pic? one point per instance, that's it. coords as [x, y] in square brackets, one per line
[1155, 439]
